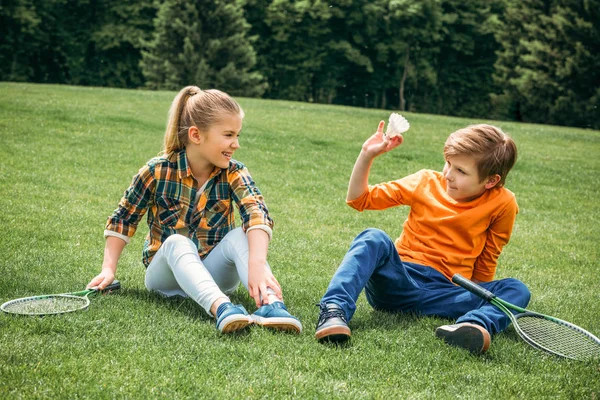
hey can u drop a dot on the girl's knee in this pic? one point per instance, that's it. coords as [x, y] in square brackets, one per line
[236, 238]
[177, 241]
[176, 238]
[235, 243]
[236, 234]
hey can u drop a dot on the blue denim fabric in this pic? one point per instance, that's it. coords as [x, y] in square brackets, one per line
[392, 285]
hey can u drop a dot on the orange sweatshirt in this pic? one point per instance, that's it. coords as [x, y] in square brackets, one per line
[442, 233]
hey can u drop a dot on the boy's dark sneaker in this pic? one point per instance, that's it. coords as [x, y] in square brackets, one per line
[231, 318]
[472, 337]
[332, 325]
[276, 316]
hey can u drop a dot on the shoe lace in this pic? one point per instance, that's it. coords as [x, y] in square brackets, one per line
[327, 313]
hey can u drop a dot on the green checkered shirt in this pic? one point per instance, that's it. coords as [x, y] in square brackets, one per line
[166, 187]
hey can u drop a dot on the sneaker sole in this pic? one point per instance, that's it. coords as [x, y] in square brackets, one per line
[468, 337]
[234, 323]
[336, 334]
[279, 323]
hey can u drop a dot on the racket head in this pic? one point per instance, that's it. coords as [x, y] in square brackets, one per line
[557, 337]
[55, 303]
[46, 304]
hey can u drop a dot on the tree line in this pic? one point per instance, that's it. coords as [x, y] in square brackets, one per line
[522, 60]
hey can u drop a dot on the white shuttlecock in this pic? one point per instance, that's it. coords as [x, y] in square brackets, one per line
[397, 125]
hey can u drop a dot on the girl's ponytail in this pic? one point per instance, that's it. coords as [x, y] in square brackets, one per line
[195, 107]
[175, 137]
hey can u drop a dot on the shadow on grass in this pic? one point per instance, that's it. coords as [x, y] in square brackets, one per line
[387, 320]
[412, 330]
[182, 305]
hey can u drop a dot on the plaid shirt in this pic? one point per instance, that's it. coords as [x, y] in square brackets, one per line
[166, 187]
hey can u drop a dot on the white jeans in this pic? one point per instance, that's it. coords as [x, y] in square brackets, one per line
[176, 268]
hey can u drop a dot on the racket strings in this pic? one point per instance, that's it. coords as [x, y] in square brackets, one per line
[563, 339]
[46, 305]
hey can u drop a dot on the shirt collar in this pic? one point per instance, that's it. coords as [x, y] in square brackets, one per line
[183, 168]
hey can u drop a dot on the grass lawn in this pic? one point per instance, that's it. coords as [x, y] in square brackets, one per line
[68, 153]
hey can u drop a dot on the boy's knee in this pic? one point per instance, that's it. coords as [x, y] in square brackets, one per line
[376, 242]
[374, 235]
[520, 290]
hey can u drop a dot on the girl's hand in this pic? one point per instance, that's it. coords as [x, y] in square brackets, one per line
[259, 279]
[380, 143]
[102, 280]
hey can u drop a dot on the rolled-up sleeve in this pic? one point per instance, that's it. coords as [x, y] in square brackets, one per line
[253, 210]
[133, 205]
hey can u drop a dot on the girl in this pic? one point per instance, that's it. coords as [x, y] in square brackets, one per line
[193, 248]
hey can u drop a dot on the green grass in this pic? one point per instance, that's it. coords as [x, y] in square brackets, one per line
[67, 154]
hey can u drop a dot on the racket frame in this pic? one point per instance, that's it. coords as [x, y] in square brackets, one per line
[83, 294]
[505, 307]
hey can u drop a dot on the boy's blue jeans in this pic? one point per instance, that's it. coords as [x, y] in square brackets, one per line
[373, 263]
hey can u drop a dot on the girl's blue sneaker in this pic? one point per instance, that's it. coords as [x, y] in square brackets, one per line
[231, 318]
[276, 316]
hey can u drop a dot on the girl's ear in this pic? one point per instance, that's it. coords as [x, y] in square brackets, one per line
[194, 135]
[492, 181]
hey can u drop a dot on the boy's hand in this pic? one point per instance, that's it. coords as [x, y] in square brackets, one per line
[374, 146]
[379, 143]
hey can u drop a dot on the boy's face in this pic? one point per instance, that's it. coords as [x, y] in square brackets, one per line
[462, 179]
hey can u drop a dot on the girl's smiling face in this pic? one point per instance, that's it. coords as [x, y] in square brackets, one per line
[221, 140]
[462, 178]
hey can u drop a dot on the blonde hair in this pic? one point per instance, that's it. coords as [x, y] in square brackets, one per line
[195, 107]
[495, 151]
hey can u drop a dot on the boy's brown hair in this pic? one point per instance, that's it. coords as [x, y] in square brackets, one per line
[495, 151]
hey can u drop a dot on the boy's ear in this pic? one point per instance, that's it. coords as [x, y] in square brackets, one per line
[492, 181]
[194, 135]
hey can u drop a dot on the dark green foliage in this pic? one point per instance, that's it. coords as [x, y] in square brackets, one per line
[202, 43]
[549, 63]
[465, 62]
[531, 60]
[117, 41]
[304, 49]
[19, 25]
[84, 42]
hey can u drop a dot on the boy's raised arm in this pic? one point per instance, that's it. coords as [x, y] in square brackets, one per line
[377, 144]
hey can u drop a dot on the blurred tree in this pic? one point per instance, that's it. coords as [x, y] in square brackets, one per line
[465, 62]
[19, 26]
[529, 60]
[303, 50]
[34, 41]
[549, 67]
[202, 43]
[83, 42]
[403, 39]
[114, 54]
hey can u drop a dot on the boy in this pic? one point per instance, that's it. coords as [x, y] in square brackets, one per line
[459, 221]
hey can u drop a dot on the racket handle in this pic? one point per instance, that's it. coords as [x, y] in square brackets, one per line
[472, 287]
[115, 285]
